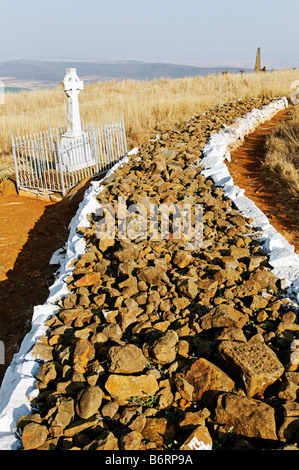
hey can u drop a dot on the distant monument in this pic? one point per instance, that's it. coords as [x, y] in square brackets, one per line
[257, 67]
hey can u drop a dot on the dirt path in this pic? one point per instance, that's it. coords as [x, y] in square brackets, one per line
[246, 170]
[30, 231]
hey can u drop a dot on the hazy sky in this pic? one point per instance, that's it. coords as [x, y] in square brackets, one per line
[167, 30]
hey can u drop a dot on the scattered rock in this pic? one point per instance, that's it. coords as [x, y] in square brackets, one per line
[187, 287]
[34, 435]
[223, 316]
[153, 276]
[206, 377]
[124, 387]
[159, 431]
[164, 349]
[199, 439]
[89, 402]
[83, 353]
[126, 359]
[255, 362]
[248, 417]
[106, 441]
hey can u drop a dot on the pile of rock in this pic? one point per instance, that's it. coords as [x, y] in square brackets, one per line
[159, 347]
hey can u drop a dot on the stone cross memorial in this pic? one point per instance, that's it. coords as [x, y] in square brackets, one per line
[72, 87]
[75, 148]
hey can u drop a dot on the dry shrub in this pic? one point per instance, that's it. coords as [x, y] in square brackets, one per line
[282, 158]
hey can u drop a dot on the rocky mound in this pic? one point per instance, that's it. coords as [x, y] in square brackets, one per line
[159, 347]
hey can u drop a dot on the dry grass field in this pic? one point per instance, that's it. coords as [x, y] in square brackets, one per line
[148, 107]
[281, 161]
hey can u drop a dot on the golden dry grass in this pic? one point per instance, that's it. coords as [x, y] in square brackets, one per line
[282, 158]
[148, 107]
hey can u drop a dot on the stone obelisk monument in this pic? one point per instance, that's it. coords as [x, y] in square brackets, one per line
[257, 67]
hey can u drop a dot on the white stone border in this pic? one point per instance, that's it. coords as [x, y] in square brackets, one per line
[18, 386]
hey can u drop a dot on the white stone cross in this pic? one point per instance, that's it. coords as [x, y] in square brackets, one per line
[72, 87]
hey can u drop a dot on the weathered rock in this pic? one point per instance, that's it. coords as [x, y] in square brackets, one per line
[288, 390]
[199, 439]
[42, 351]
[165, 398]
[89, 279]
[130, 441]
[125, 318]
[34, 435]
[255, 362]
[184, 388]
[248, 417]
[181, 302]
[258, 302]
[154, 276]
[182, 259]
[158, 165]
[47, 372]
[64, 413]
[209, 286]
[89, 401]
[109, 409]
[8, 187]
[77, 427]
[76, 316]
[164, 349]
[227, 276]
[137, 423]
[193, 419]
[159, 431]
[83, 353]
[232, 334]
[127, 359]
[112, 331]
[149, 299]
[105, 243]
[265, 278]
[187, 287]
[223, 316]
[106, 441]
[123, 387]
[206, 377]
[127, 253]
[289, 429]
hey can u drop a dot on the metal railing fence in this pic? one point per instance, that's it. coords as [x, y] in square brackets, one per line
[50, 161]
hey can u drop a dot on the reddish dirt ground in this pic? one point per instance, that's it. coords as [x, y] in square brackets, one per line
[247, 172]
[30, 231]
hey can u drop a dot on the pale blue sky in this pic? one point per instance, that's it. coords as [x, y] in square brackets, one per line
[193, 31]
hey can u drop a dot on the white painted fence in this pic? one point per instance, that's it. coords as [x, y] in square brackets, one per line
[48, 161]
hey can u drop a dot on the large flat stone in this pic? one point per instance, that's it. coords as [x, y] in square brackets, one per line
[255, 362]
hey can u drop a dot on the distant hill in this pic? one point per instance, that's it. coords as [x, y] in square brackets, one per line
[51, 72]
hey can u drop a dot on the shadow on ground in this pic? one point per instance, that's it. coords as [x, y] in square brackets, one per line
[27, 284]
